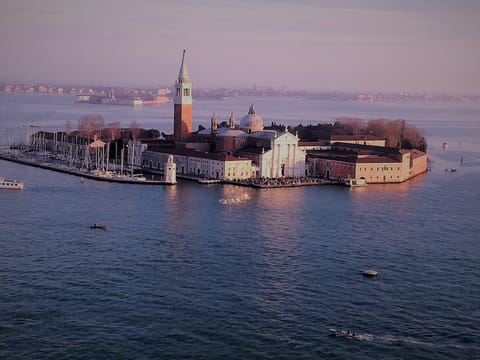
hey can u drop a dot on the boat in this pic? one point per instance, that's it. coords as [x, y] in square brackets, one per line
[11, 184]
[208, 181]
[343, 333]
[445, 145]
[97, 226]
[139, 177]
[356, 182]
[370, 273]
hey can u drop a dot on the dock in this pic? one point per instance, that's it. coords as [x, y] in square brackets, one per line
[78, 172]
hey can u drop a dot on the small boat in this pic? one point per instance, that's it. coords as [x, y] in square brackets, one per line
[356, 182]
[343, 333]
[208, 181]
[370, 273]
[11, 184]
[97, 226]
[445, 145]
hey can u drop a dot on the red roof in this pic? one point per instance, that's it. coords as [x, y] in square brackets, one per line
[354, 137]
[376, 160]
[199, 154]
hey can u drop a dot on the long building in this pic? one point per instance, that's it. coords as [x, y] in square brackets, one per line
[375, 164]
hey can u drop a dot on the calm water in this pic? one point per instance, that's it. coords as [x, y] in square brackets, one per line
[181, 275]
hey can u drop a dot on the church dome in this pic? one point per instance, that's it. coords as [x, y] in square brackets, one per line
[251, 122]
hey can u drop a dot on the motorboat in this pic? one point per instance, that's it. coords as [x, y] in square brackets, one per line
[343, 333]
[356, 182]
[11, 184]
[370, 273]
[208, 181]
[97, 226]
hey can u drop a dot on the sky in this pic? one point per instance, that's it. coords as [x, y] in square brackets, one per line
[326, 45]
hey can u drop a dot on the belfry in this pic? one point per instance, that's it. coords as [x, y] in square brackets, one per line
[182, 112]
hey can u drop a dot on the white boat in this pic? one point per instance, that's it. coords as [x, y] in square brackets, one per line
[139, 177]
[343, 333]
[370, 273]
[11, 184]
[208, 181]
[351, 335]
[356, 182]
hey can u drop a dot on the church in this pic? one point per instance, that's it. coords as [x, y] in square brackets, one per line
[237, 152]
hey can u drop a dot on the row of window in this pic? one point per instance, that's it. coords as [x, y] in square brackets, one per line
[384, 168]
[391, 177]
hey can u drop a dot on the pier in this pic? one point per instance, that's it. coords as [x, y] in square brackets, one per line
[77, 172]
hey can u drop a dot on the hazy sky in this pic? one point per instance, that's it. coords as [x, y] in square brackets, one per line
[389, 45]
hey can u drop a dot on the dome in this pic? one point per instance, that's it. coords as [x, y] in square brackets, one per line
[251, 122]
[227, 132]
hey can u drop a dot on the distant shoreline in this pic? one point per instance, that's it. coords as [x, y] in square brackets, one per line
[148, 94]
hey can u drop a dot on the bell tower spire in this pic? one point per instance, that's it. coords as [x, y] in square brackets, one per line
[183, 73]
[182, 111]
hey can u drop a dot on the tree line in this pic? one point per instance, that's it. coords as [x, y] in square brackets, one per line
[397, 133]
[91, 126]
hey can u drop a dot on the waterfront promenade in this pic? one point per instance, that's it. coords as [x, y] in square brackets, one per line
[261, 183]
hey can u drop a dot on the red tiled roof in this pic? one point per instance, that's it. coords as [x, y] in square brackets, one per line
[376, 160]
[416, 153]
[313, 143]
[354, 137]
[198, 154]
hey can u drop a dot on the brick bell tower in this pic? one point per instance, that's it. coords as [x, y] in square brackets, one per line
[182, 111]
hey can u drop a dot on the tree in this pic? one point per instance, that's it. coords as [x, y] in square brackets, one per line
[134, 129]
[68, 127]
[90, 125]
[113, 130]
[351, 126]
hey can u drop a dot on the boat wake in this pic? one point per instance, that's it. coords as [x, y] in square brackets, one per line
[235, 200]
[397, 340]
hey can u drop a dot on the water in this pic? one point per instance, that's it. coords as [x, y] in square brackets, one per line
[179, 274]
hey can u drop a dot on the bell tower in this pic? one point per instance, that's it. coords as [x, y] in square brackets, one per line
[182, 111]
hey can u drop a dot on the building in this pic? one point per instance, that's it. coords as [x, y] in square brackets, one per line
[182, 103]
[236, 152]
[276, 154]
[246, 150]
[375, 164]
[358, 139]
[200, 164]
